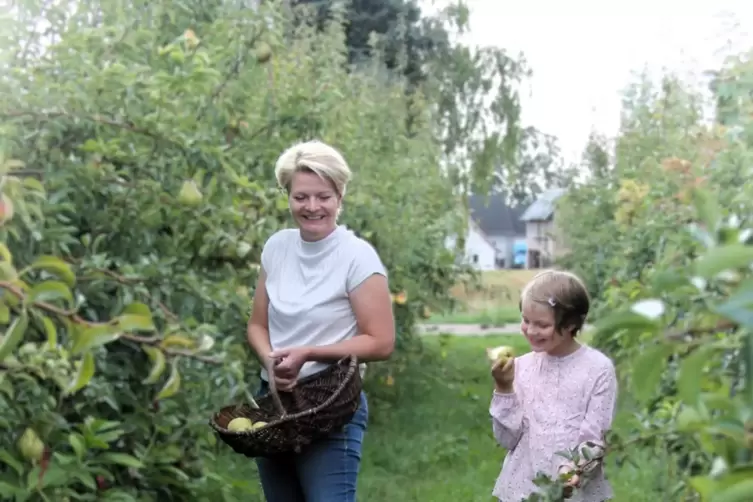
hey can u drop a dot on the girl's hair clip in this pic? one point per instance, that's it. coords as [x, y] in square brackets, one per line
[552, 302]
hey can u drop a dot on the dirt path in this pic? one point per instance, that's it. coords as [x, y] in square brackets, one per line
[469, 329]
[472, 329]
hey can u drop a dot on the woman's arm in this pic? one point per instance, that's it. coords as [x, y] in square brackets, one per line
[372, 307]
[257, 331]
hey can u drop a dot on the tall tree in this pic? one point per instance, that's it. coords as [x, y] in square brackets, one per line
[473, 89]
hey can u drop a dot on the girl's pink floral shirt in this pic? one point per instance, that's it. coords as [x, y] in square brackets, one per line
[558, 403]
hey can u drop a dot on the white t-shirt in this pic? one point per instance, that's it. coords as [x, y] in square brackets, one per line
[308, 284]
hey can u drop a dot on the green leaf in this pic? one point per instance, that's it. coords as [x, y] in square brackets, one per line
[668, 280]
[132, 322]
[77, 443]
[5, 254]
[84, 374]
[741, 491]
[157, 358]
[55, 266]
[647, 371]
[739, 306]
[172, 386]
[625, 321]
[9, 490]
[7, 272]
[719, 259]
[51, 332]
[121, 459]
[11, 462]
[707, 208]
[691, 374]
[4, 313]
[88, 337]
[139, 309]
[14, 335]
[49, 291]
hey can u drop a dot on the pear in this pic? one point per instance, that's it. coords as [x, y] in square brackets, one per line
[189, 194]
[258, 425]
[6, 209]
[502, 354]
[30, 446]
[263, 53]
[240, 424]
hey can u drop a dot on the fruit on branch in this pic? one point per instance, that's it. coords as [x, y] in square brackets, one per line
[189, 194]
[30, 446]
[6, 209]
[400, 298]
[263, 53]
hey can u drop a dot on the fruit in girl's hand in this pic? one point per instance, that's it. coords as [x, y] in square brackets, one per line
[500, 354]
[30, 446]
[240, 424]
[258, 425]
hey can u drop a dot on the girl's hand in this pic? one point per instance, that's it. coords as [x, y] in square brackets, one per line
[504, 375]
[287, 364]
[571, 484]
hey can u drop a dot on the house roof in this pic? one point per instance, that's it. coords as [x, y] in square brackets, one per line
[494, 217]
[543, 207]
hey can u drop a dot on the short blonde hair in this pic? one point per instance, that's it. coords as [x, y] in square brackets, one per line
[317, 157]
[565, 293]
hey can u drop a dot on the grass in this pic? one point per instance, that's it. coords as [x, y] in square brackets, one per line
[432, 440]
[494, 302]
[490, 317]
[438, 444]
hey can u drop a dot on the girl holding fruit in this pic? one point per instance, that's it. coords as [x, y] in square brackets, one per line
[322, 295]
[558, 397]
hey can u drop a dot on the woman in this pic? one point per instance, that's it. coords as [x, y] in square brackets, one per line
[322, 295]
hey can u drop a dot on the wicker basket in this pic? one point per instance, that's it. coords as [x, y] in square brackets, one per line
[316, 406]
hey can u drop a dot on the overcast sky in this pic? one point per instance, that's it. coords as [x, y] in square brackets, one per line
[582, 52]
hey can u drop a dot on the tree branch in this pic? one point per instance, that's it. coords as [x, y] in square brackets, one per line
[73, 316]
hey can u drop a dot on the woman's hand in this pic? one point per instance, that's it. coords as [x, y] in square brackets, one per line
[287, 364]
[504, 375]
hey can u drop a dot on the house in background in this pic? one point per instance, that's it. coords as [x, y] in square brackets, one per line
[540, 230]
[501, 224]
[496, 236]
[480, 251]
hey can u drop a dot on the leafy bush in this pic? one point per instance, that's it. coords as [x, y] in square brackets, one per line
[137, 194]
[663, 237]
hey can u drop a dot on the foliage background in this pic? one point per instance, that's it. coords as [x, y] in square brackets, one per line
[138, 140]
[660, 229]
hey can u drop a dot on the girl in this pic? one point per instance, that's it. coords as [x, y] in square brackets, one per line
[557, 397]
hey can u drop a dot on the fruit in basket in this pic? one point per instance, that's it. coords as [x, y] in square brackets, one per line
[501, 354]
[258, 425]
[240, 424]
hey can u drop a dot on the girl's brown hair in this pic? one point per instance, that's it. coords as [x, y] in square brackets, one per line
[564, 293]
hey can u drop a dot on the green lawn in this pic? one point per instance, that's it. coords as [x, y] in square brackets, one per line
[491, 316]
[433, 442]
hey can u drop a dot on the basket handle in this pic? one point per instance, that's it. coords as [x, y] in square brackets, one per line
[270, 363]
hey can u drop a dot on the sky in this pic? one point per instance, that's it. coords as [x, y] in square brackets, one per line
[583, 52]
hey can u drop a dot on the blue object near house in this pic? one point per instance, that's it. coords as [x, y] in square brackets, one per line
[519, 252]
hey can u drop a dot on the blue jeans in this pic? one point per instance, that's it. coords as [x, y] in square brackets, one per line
[325, 471]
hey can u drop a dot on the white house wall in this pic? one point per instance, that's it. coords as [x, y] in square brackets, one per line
[479, 252]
